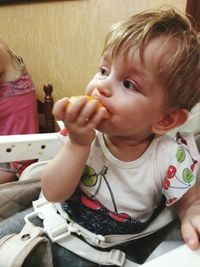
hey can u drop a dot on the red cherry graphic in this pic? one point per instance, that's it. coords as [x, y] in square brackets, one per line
[166, 184]
[193, 166]
[92, 204]
[171, 171]
[122, 217]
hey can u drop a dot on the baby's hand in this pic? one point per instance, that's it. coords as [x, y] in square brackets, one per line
[81, 115]
[190, 225]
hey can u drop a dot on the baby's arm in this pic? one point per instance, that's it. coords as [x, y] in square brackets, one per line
[62, 174]
[188, 208]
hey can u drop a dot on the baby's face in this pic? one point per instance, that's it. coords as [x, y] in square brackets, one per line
[130, 91]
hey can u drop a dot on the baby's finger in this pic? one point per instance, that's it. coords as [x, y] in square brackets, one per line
[59, 108]
[190, 235]
[97, 118]
[75, 108]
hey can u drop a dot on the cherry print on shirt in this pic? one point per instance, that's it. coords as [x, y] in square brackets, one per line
[90, 178]
[184, 180]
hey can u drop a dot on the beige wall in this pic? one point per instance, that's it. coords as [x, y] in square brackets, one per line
[61, 41]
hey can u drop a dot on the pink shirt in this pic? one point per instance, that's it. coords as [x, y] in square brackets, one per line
[18, 106]
[18, 112]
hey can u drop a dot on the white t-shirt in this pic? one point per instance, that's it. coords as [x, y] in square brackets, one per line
[134, 188]
[117, 197]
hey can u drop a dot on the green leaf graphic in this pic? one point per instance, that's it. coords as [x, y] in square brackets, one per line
[180, 154]
[187, 175]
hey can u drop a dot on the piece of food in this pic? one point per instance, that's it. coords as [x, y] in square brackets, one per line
[73, 99]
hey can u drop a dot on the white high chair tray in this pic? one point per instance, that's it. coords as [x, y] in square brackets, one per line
[182, 256]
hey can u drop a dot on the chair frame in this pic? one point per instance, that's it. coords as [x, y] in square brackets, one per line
[45, 108]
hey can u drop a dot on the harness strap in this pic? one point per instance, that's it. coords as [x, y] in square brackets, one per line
[15, 248]
[84, 250]
[56, 220]
[60, 231]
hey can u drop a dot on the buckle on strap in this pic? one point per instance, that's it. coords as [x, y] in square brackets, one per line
[58, 225]
[55, 226]
[116, 257]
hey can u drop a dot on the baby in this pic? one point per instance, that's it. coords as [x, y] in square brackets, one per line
[117, 160]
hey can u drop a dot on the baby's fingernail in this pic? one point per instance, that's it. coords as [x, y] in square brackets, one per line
[191, 243]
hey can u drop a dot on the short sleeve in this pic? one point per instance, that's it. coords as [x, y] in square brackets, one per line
[182, 168]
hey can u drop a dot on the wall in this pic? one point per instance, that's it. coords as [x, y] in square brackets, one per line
[61, 41]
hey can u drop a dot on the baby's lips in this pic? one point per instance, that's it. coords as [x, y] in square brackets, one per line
[73, 99]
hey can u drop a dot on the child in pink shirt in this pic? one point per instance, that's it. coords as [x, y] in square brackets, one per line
[18, 110]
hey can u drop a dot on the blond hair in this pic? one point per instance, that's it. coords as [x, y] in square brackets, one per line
[178, 68]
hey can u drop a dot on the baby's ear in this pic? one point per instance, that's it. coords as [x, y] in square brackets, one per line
[169, 121]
